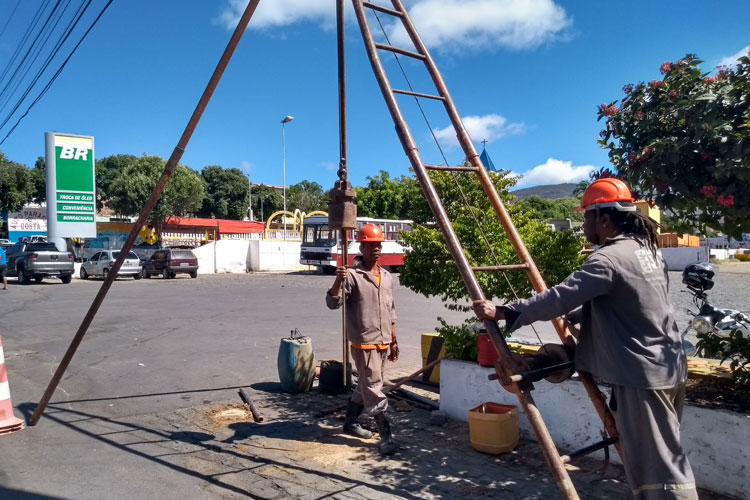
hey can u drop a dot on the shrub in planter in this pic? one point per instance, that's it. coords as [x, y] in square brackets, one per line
[459, 340]
[735, 348]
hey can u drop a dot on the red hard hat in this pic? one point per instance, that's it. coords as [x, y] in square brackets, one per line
[370, 233]
[607, 192]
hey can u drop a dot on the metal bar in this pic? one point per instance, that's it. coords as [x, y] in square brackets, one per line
[155, 195]
[342, 168]
[444, 168]
[588, 449]
[384, 10]
[564, 331]
[534, 375]
[507, 267]
[246, 398]
[419, 399]
[475, 291]
[418, 94]
[398, 50]
[411, 377]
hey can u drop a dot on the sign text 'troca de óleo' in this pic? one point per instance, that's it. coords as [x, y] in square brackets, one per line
[71, 185]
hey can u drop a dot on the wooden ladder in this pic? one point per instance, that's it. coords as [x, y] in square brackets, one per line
[505, 371]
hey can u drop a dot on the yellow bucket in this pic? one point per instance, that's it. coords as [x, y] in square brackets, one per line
[493, 428]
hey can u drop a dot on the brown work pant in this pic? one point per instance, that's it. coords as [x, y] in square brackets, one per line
[649, 425]
[370, 365]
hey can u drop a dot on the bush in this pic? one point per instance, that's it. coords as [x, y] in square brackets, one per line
[459, 340]
[735, 348]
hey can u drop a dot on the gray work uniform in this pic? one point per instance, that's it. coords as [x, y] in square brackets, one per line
[629, 339]
[370, 316]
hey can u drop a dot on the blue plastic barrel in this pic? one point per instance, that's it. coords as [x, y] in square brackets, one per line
[296, 363]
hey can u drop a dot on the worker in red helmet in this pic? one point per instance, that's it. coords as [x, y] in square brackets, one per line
[371, 329]
[628, 337]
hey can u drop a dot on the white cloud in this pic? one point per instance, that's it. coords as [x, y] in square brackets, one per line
[478, 24]
[732, 60]
[554, 172]
[280, 13]
[487, 127]
[246, 166]
[329, 165]
[447, 24]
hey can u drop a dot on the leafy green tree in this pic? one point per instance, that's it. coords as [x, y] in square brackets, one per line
[306, 196]
[266, 200]
[387, 198]
[226, 193]
[39, 178]
[107, 170]
[560, 208]
[684, 142]
[130, 190]
[16, 185]
[429, 268]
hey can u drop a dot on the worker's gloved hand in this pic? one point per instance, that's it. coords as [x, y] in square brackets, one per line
[393, 354]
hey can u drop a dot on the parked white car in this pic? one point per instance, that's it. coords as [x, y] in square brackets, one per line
[101, 262]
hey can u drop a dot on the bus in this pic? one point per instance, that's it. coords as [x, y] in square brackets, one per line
[320, 245]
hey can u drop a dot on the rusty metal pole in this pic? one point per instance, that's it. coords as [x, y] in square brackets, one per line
[169, 168]
[566, 332]
[342, 168]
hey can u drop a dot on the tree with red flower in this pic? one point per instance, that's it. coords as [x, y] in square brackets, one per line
[696, 142]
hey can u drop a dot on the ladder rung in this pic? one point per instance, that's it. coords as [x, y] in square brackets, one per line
[384, 10]
[417, 94]
[508, 267]
[397, 50]
[445, 168]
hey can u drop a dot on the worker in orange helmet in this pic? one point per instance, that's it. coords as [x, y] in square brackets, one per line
[628, 337]
[371, 329]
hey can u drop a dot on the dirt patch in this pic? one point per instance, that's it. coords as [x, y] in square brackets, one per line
[223, 416]
[718, 393]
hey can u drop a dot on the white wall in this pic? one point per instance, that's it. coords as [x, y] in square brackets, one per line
[272, 255]
[717, 442]
[231, 256]
[679, 257]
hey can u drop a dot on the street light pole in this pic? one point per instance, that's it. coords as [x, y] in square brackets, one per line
[286, 120]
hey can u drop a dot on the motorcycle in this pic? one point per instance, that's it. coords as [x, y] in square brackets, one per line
[713, 326]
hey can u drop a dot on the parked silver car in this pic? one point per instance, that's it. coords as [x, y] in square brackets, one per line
[101, 262]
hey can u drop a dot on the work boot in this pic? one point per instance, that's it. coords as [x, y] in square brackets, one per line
[351, 425]
[387, 445]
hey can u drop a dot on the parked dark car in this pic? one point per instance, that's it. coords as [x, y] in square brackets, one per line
[37, 261]
[169, 262]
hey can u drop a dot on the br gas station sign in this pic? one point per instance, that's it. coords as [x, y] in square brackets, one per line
[71, 186]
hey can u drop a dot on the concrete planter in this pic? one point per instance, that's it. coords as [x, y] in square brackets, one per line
[717, 442]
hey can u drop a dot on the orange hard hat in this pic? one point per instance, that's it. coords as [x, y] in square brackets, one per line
[607, 192]
[370, 233]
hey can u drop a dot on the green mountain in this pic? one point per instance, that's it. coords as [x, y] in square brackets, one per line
[550, 192]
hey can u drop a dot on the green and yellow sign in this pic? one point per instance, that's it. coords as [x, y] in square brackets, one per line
[71, 186]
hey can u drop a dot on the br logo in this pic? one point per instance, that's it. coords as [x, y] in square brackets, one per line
[73, 153]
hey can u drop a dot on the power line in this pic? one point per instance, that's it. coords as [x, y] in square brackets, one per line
[10, 17]
[54, 77]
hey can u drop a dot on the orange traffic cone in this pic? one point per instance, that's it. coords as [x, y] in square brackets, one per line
[8, 422]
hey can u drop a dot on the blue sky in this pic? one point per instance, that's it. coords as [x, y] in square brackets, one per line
[525, 75]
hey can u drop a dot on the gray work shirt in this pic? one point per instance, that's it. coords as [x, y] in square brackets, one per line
[370, 310]
[628, 333]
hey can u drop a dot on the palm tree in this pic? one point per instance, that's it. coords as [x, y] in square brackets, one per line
[580, 188]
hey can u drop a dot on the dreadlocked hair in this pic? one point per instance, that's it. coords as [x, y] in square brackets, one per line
[637, 224]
